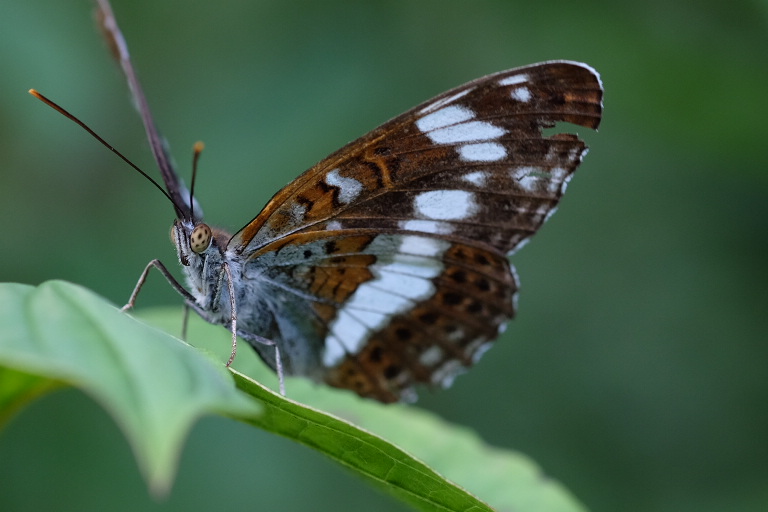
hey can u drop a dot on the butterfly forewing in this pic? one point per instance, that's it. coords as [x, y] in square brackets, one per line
[393, 250]
[491, 123]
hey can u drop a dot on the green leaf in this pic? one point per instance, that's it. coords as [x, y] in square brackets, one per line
[504, 479]
[153, 385]
[156, 386]
[370, 456]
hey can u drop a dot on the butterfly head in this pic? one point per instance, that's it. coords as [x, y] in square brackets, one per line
[196, 241]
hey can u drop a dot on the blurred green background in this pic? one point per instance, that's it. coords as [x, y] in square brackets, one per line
[637, 370]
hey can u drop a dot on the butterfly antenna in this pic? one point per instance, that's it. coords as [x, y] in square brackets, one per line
[109, 146]
[196, 150]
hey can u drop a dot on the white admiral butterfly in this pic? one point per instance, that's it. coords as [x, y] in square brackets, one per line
[385, 265]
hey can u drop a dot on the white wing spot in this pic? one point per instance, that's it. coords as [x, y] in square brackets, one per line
[445, 204]
[514, 249]
[447, 373]
[421, 246]
[413, 266]
[481, 350]
[444, 101]
[482, 152]
[550, 213]
[334, 350]
[557, 179]
[527, 177]
[447, 116]
[349, 188]
[431, 356]
[394, 288]
[356, 326]
[477, 178]
[540, 215]
[389, 293]
[426, 226]
[466, 132]
[566, 181]
[522, 94]
[514, 80]
[456, 335]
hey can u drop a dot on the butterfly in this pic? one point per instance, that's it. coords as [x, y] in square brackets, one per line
[385, 265]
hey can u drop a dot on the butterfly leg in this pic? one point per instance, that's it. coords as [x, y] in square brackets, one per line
[143, 277]
[190, 301]
[233, 312]
[278, 360]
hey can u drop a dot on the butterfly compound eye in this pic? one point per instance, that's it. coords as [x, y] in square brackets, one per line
[200, 238]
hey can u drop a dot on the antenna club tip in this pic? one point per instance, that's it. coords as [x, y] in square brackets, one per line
[199, 147]
[34, 93]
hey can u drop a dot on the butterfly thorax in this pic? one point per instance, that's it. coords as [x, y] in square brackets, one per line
[203, 253]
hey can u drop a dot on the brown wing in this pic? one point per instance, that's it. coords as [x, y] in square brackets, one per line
[398, 241]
